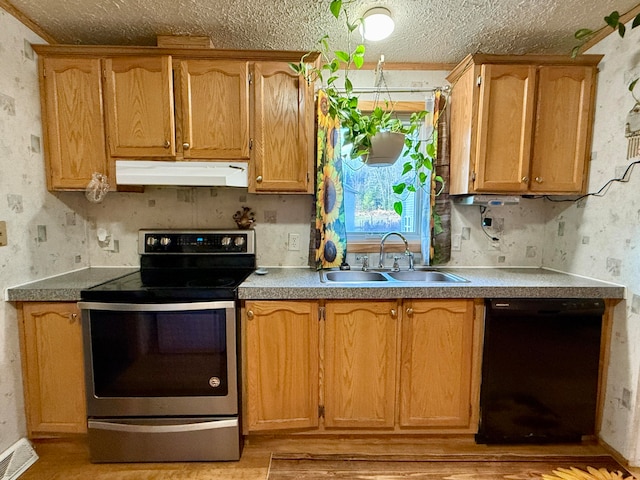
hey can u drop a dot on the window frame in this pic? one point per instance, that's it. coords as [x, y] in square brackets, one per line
[371, 243]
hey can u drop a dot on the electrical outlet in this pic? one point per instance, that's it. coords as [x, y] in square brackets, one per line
[3, 234]
[456, 242]
[294, 241]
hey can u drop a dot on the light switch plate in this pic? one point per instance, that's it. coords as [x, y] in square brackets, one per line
[3, 234]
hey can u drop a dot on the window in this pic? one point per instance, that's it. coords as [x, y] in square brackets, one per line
[369, 199]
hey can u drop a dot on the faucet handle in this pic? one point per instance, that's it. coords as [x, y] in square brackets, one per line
[409, 253]
[396, 265]
[365, 263]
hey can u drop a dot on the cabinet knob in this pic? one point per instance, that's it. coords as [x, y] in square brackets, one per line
[539, 179]
[259, 179]
[185, 146]
[167, 144]
[525, 179]
[409, 311]
[73, 317]
[250, 314]
[394, 313]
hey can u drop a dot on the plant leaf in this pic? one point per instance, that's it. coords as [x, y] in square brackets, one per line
[399, 188]
[348, 86]
[407, 168]
[633, 84]
[621, 29]
[335, 7]
[575, 51]
[397, 206]
[583, 33]
[343, 56]
[636, 21]
[613, 20]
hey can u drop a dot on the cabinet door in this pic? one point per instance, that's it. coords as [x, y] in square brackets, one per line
[139, 99]
[281, 365]
[73, 121]
[562, 129]
[505, 119]
[282, 155]
[53, 368]
[360, 364]
[436, 363]
[215, 109]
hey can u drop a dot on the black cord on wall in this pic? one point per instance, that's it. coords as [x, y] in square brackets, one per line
[626, 176]
[483, 210]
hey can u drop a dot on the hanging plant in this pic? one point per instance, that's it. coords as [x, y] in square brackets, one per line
[359, 127]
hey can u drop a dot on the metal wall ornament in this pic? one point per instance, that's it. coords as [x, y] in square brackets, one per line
[632, 132]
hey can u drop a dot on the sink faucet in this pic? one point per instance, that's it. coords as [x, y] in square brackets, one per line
[407, 252]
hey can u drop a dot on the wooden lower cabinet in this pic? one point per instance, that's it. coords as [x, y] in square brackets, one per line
[437, 363]
[360, 364]
[281, 365]
[53, 368]
[372, 366]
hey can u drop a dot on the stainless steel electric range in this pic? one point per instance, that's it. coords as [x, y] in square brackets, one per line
[161, 350]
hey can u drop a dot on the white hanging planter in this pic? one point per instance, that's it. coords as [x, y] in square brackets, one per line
[386, 148]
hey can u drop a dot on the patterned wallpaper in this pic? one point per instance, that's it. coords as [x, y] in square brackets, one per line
[600, 237]
[45, 234]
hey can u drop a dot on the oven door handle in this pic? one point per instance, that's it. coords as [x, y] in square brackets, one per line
[181, 427]
[155, 307]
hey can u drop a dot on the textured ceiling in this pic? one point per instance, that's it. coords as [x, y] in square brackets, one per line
[432, 31]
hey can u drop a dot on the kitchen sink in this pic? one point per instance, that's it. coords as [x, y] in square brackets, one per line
[353, 276]
[424, 276]
[358, 276]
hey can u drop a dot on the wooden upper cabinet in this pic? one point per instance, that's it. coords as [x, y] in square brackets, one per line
[73, 121]
[214, 109]
[281, 367]
[360, 364]
[521, 124]
[437, 356]
[140, 110]
[53, 366]
[283, 130]
[505, 120]
[563, 125]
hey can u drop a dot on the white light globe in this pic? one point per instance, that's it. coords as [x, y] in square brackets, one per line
[377, 24]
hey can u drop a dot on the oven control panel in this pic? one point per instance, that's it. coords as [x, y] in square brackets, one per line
[196, 242]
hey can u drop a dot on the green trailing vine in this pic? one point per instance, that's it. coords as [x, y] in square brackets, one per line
[361, 127]
[612, 20]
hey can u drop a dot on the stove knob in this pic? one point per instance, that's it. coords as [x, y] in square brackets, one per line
[165, 241]
[226, 241]
[239, 241]
[152, 241]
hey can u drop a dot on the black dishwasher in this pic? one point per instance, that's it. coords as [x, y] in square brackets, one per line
[540, 370]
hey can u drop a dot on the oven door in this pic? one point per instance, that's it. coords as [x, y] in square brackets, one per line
[160, 359]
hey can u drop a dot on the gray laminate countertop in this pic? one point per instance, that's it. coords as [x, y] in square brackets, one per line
[291, 284]
[304, 283]
[65, 287]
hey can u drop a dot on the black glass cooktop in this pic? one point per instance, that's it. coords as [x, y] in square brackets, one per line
[141, 287]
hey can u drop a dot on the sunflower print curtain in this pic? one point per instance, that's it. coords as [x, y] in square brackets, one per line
[331, 234]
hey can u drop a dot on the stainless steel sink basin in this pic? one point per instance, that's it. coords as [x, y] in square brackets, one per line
[358, 276]
[424, 276]
[354, 276]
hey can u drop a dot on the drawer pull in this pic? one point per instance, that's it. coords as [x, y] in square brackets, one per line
[250, 314]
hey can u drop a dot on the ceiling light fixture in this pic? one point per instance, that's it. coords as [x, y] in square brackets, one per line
[377, 24]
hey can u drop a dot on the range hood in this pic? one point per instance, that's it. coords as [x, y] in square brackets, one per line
[197, 174]
[486, 200]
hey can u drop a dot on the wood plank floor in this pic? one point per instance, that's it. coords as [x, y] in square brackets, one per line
[68, 458]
